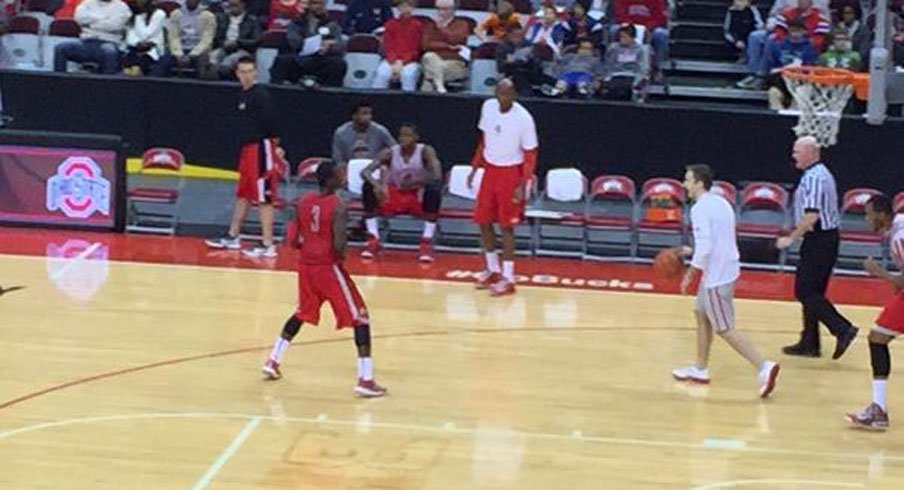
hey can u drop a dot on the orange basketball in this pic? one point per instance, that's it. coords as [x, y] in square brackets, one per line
[668, 264]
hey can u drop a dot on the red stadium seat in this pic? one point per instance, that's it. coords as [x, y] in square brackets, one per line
[726, 190]
[611, 209]
[898, 203]
[660, 226]
[763, 210]
[154, 201]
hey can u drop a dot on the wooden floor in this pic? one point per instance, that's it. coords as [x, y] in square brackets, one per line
[152, 382]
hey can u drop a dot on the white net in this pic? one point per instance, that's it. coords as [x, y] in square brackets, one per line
[820, 105]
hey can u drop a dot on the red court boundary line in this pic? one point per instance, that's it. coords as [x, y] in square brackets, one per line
[428, 333]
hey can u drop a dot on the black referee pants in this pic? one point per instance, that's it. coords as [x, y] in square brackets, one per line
[818, 255]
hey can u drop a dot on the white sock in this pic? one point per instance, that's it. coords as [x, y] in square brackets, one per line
[429, 230]
[492, 261]
[879, 393]
[508, 270]
[279, 348]
[373, 227]
[366, 368]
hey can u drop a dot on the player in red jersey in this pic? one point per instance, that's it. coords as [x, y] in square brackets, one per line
[890, 324]
[507, 151]
[321, 231]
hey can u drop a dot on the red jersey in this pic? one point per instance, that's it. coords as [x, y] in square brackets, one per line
[315, 229]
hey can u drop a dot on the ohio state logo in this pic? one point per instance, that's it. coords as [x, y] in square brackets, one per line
[78, 189]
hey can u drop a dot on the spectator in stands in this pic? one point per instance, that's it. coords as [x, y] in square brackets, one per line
[514, 60]
[854, 28]
[323, 63]
[795, 49]
[654, 16]
[442, 44]
[238, 35]
[67, 10]
[103, 24]
[145, 43]
[581, 26]
[402, 45]
[815, 22]
[366, 16]
[495, 27]
[361, 137]
[840, 53]
[760, 41]
[627, 66]
[549, 31]
[579, 71]
[740, 20]
[283, 12]
[191, 30]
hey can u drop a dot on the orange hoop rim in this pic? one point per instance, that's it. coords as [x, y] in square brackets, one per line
[819, 74]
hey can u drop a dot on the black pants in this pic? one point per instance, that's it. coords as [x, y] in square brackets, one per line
[328, 70]
[430, 202]
[525, 75]
[818, 255]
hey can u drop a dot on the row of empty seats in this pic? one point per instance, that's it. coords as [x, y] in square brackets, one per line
[609, 216]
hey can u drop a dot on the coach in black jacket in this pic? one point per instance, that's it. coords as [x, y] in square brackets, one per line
[238, 35]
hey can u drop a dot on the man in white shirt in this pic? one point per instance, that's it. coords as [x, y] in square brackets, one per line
[507, 151]
[103, 24]
[715, 254]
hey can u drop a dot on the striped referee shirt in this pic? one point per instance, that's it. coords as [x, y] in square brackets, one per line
[817, 192]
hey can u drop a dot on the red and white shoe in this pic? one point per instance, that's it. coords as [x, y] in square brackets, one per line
[766, 378]
[372, 248]
[271, 370]
[486, 279]
[502, 287]
[369, 389]
[426, 251]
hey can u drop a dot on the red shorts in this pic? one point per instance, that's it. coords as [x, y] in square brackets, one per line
[400, 202]
[892, 317]
[258, 173]
[494, 199]
[318, 284]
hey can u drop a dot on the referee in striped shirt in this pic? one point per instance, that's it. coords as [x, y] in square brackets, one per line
[817, 216]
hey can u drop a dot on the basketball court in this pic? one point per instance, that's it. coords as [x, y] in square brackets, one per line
[133, 362]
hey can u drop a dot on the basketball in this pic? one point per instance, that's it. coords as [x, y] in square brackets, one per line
[667, 264]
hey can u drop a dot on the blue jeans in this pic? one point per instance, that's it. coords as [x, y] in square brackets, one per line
[104, 53]
[759, 45]
[572, 78]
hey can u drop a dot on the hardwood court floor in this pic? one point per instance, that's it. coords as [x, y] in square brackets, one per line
[151, 375]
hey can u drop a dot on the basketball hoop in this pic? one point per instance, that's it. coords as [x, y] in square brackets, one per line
[821, 95]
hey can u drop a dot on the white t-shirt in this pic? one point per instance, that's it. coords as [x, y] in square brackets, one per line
[897, 241]
[715, 245]
[506, 136]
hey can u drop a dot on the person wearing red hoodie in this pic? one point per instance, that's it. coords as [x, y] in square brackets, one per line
[652, 14]
[402, 43]
[816, 24]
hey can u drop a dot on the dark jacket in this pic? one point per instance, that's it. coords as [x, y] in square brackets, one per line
[309, 25]
[364, 16]
[250, 31]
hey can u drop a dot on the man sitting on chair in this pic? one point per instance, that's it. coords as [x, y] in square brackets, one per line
[410, 182]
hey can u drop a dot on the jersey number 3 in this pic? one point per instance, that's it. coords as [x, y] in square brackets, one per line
[315, 219]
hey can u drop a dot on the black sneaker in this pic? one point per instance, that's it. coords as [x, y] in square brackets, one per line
[800, 351]
[844, 341]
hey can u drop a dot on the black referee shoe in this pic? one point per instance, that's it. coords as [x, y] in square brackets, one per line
[844, 341]
[800, 350]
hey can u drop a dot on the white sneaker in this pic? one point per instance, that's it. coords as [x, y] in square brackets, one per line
[225, 241]
[766, 378]
[260, 251]
[692, 374]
